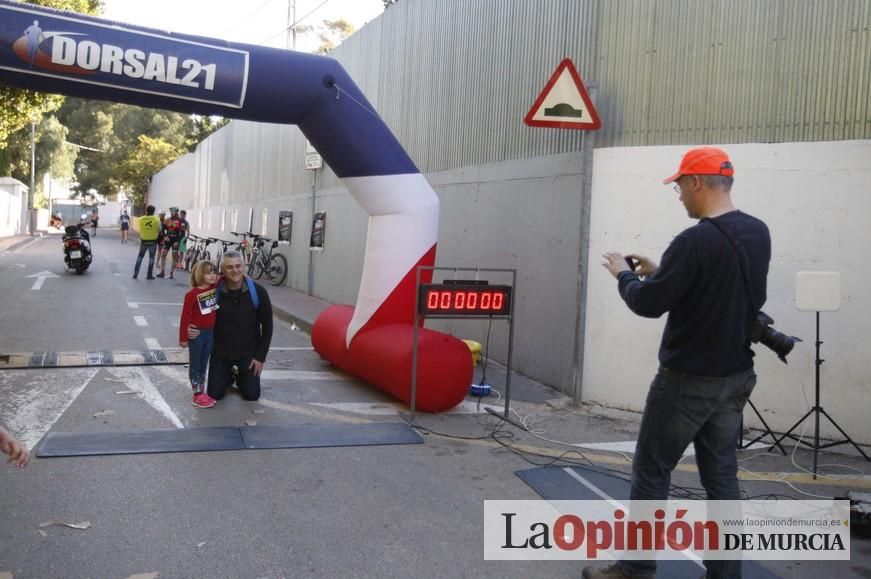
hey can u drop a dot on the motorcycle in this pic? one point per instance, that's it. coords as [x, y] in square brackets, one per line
[77, 248]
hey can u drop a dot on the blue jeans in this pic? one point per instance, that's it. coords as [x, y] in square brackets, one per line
[680, 409]
[151, 247]
[200, 349]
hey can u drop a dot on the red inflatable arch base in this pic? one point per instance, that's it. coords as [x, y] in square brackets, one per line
[382, 356]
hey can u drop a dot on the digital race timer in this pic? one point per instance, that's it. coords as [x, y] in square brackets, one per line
[464, 299]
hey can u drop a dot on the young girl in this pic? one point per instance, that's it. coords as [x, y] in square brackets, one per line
[198, 310]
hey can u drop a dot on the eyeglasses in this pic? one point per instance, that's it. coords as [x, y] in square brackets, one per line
[677, 188]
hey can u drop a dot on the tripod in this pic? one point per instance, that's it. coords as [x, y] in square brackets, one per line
[816, 411]
[767, 432]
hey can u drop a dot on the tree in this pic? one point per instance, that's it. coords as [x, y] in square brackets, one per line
[332, 33]
[53, 154]
[389, 3]
[149, 157]
[111, 132]
[19, 107]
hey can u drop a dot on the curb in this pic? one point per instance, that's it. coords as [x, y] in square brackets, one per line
[22, 242]
[286, 316]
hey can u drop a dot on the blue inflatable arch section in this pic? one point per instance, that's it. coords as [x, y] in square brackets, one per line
[72, 54]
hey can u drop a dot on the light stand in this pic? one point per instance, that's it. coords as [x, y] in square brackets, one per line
[816, 411]
[819, 291]
[767, 432]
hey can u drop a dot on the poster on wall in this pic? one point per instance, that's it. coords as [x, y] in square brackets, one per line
[319, 225]
[285, 223]
[264, 222]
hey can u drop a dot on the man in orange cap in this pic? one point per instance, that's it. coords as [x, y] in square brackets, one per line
[712, 281]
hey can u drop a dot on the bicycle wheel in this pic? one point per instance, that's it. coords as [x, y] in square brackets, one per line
[255, 270]
[277, 269]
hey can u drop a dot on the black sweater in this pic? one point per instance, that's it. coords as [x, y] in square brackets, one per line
[699, 283]
[240, 330]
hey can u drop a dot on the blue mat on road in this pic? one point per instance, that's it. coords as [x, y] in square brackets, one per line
[556, 483]
[206, 439]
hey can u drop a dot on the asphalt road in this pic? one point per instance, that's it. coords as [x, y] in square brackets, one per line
[384, 511]
[377, 511]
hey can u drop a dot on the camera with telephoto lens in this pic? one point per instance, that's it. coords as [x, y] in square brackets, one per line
[761, 331]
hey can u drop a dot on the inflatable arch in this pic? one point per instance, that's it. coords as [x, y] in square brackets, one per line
[72, 54]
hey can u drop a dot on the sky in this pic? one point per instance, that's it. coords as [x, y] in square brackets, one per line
[259, 22]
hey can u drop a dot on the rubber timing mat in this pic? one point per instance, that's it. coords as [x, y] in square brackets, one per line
[318, 435]
[213, 438]
[555, 483]
[141, 441]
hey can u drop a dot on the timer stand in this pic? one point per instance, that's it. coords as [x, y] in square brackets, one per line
[463, 299]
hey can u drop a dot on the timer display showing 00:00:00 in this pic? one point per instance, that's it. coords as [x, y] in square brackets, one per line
[479, 300]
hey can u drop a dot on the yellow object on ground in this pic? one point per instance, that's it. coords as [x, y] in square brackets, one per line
[475, 349]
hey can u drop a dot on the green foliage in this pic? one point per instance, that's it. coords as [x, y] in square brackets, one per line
[150, 156]
[53, 154]
[332, 33]
[109, 135]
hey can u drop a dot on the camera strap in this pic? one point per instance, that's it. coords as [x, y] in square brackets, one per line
[736, 245]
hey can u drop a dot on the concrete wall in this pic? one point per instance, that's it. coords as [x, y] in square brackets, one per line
[522, 214]
[816, 200]
[13, 207]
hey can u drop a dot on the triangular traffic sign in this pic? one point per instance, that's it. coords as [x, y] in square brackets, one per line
[564, 102]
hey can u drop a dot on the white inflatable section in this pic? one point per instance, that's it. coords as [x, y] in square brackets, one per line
[403, 226]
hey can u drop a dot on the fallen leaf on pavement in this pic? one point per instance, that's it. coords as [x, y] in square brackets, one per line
[127, 392]
[258, 411]
[43, 533]
[80, 526]
[104, 413]
[200, 544]
[250, 422]
[145, 576]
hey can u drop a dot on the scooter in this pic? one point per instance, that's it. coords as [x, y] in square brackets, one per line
[77, 248]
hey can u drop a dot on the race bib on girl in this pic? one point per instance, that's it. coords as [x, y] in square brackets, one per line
[208, 301]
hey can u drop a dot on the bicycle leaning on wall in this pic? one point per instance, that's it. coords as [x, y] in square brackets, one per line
[274, 265]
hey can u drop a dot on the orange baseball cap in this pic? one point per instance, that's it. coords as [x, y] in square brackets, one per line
[703, 161]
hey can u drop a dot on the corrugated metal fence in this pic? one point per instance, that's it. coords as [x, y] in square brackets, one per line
[453, 78]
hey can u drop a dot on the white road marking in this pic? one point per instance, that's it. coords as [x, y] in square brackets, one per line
[605, 496]
[289, 349]
[40, 279]
[133, 305]
[388, 408]
[135, 379]
[303, 375]
[140, 321]
[152, 344]
[628, 446]
[33, 402]
[311, 412]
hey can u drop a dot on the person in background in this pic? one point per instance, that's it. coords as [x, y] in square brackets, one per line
[149, 230]
[17, 452]
[125, 226]
[95, 217]
[172, 228]
[183, 242]
[198, 311]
